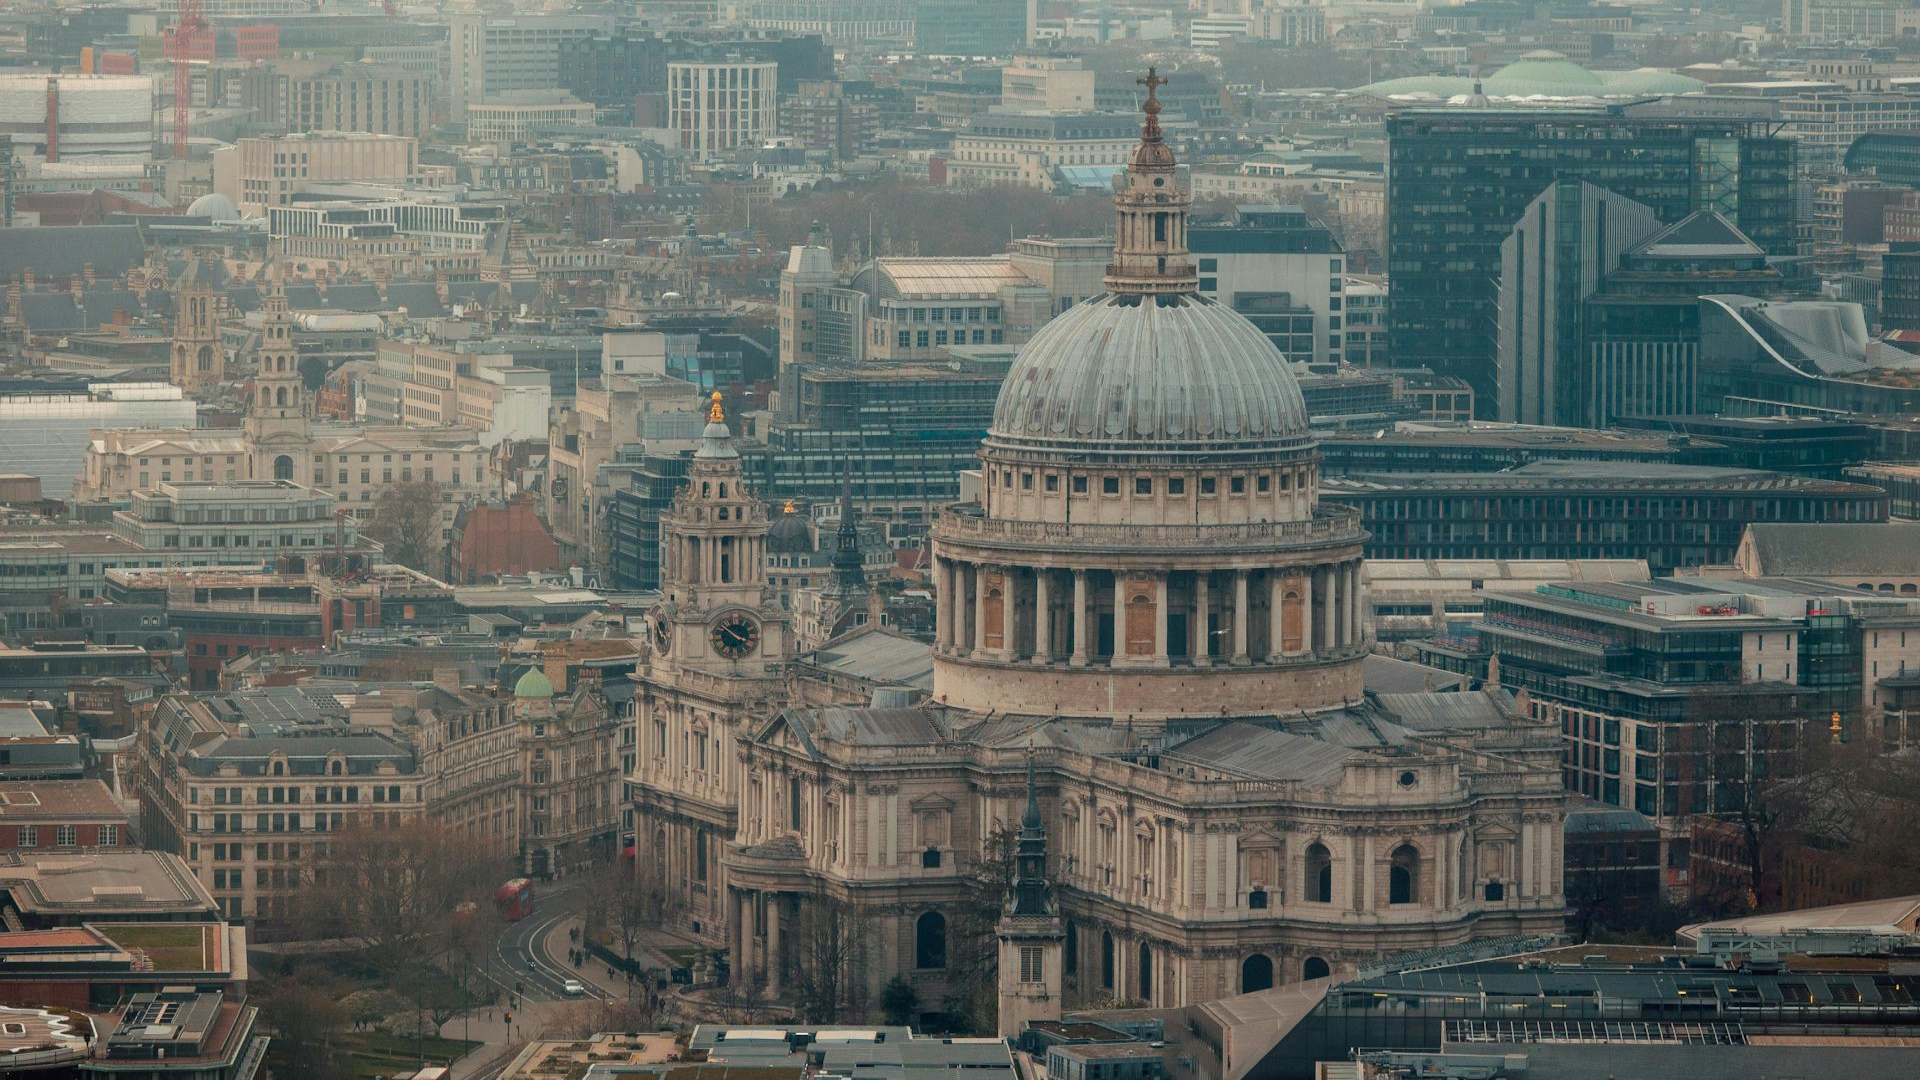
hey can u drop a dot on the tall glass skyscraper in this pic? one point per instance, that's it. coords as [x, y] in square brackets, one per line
[1459, 179]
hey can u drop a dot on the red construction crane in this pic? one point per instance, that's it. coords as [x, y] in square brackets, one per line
[190, 24]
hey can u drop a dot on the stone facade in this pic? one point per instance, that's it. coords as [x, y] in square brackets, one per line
[1148, 662]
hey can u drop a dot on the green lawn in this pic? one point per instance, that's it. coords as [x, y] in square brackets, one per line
[171, 948]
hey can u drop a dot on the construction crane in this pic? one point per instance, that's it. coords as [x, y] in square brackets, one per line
[392, 8]
[189, 25]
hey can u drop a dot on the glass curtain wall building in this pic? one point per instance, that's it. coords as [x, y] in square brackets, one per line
[1458, 180]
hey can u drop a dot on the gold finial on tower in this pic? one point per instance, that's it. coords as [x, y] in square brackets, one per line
[788, 508]
[716, 415]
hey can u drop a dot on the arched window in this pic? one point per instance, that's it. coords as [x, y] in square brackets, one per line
[1106, 960]
[280, 396]
[1256, 973]
[1496, 891]
[1257, 900]
[1403, 877]
[1319, 874]
[930, 941]
[283, 468]
[1072, 950]
[1146, 972]
[1465, 862]
[700, 842]
[266, 396]
[1314, 968]
[335, 768]
[279, 768]
[205, 360]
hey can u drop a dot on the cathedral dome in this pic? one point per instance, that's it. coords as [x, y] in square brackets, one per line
[1150, 374]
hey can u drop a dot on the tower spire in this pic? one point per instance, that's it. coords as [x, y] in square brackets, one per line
[849, 567]
[1150, 214]
[1031, 895]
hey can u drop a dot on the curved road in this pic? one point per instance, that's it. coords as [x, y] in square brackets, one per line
[520, 957]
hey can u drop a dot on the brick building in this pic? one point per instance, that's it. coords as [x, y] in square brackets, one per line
[61, 815]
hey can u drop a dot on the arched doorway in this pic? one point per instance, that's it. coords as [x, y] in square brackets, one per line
[1146, 972]
[1314, 968]
[283, 468]
[1256, 973]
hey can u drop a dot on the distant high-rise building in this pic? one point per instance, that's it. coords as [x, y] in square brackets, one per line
[970, 27]
[491, 56]
[1459, 178]
[720, 106]
[1282, 270]
[1556, 256]
[1840, 20]
[382, 99]
[1900, 286]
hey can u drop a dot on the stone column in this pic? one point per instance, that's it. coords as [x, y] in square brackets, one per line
[1201, 636]
[1240, 617]
[1082, 622]
[1160, 595]
[1276, 611]
[1340, 598]
[1042, 616]
[1306, 615]
[979, 610]
[943, 587]
[1360, 610]
[1010, 612]
[1327, 602]
[737, 936]
[773, 945]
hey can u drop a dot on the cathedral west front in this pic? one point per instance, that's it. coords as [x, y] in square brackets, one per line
[1147, 683]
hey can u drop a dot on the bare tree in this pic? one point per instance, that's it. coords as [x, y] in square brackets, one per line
[743, 999]
[626, 905]
[585, 1019]
[829, 968]
[401, 890]
[972, 1001]
[407, 523]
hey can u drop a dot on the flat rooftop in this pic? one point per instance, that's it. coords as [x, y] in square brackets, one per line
[42, 800]
[56, 888]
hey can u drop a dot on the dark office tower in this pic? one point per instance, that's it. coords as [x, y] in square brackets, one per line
[1459, 179]
[970, 27]
[1558, 253]
[1900, 286]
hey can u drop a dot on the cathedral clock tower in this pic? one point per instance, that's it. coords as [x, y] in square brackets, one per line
[714, 669]
[278, 428]
[717, 613]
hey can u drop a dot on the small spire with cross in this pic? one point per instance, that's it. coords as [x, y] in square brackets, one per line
[1153, 82]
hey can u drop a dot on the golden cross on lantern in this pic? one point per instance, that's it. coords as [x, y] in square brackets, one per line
[1153, 82]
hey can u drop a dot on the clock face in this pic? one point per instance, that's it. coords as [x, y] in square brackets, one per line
[735, 636]
[662, 634]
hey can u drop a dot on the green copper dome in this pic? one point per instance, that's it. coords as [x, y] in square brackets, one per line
[533, 685]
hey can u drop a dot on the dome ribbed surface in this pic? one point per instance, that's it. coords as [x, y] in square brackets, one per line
[1144, 376]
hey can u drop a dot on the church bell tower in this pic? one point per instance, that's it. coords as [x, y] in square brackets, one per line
[278, 428]
[718, 612]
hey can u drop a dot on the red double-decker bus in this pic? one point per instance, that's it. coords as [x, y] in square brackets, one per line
[514, 899]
